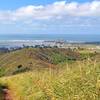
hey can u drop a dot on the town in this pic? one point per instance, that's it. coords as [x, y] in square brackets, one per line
[73, 45]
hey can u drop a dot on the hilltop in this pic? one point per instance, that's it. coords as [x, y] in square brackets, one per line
[34, 58]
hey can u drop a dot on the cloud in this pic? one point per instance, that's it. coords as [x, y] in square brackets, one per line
[56, 17]
[57, 10]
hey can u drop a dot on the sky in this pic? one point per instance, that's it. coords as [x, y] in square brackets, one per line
[49, 16]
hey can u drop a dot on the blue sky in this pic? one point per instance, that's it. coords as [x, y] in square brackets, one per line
[49, 16]
[13, 4]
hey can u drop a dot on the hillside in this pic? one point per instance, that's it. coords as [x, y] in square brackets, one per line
[81, 82]
[50, 74]
[34, 58]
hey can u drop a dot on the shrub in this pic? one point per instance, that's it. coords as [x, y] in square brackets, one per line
[21, 69]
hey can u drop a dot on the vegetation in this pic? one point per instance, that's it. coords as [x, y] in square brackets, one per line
[2, 71]
[79, 80]
[34, 58]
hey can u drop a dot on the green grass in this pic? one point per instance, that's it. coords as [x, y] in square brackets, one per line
[77, 81]
[2, 71]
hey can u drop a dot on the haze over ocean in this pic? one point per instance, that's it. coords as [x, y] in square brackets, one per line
[66, 37]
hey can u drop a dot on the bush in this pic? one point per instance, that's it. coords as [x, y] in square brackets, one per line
[21, 69]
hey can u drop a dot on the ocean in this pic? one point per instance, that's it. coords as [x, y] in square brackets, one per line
[66, 37]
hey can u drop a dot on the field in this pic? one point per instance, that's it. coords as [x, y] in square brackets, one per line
[75, 76]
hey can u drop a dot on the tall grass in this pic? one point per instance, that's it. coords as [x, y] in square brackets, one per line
[77, 81]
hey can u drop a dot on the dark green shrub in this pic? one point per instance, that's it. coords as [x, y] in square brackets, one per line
[21, 69]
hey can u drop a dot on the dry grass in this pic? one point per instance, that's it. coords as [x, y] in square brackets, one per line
[79, 81]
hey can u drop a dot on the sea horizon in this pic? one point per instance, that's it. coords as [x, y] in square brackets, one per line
[65, 37]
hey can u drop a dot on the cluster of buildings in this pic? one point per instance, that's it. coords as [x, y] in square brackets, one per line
[16, 45]
[51, 44]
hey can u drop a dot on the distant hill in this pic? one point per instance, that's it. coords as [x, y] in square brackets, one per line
[34, 58]
[29, 59]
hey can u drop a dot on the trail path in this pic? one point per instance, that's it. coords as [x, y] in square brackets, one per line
[7, 94]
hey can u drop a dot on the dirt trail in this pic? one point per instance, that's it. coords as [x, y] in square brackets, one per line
[7, 95]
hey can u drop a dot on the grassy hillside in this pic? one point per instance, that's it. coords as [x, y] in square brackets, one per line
[78, 81]
[50, 74]
[34, 58]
